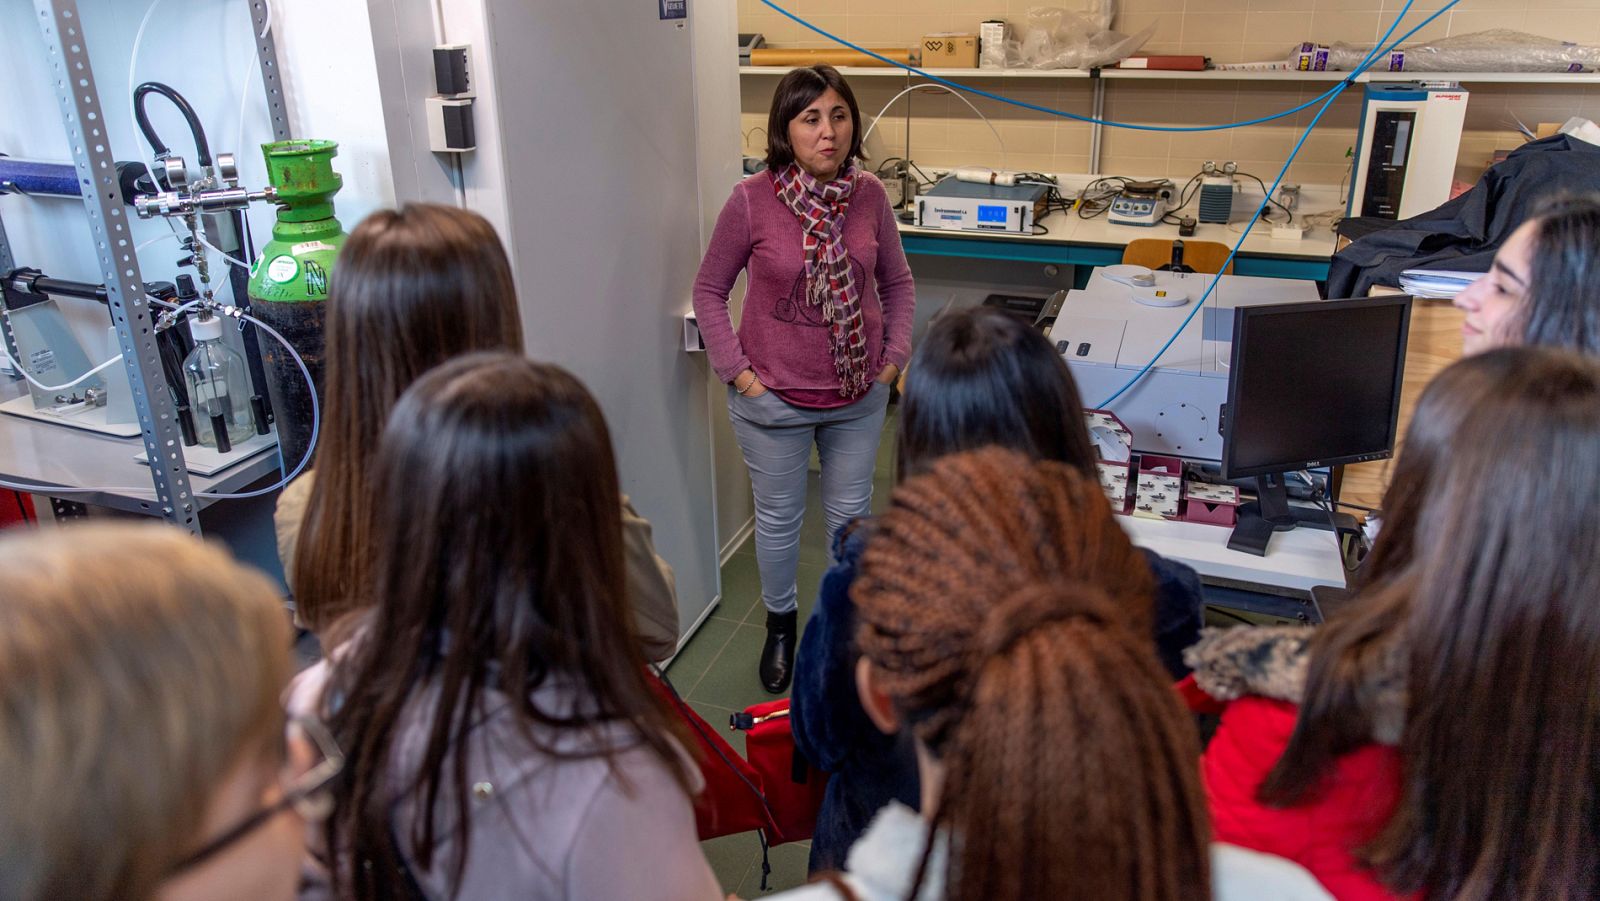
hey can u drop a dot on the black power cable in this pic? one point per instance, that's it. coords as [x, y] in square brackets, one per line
[1270, 199]
[1096, 197]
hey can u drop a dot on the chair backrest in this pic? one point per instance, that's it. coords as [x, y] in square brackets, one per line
[1202, 256]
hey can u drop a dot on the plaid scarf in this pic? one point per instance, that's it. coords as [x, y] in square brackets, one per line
[820, 207]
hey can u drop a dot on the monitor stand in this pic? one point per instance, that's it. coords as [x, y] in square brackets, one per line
[1269, 513]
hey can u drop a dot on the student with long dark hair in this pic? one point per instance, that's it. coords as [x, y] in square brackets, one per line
[503, 740]
[1544, 285]
[982, 377]
[1438, 738]
[413, 287]
[1453, 395]
[1004, 622]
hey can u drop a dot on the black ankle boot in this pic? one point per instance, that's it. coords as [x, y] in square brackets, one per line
[777, 655]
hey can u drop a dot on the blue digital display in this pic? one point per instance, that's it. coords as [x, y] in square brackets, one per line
[991, 214]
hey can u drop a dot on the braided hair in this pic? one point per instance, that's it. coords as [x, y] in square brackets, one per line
[1001, 607]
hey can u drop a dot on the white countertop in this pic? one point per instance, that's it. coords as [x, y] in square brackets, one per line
[62, 457]
[1297, 560]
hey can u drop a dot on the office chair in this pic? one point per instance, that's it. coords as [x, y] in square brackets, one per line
[1200, 256]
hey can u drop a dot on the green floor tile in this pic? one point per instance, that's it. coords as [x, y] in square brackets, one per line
[741, 587]
[814, 530]
[885, 465]
[788, 870]
[717, 718]
[882, 490]
[732, 857]
[691, 664]
[731, 680]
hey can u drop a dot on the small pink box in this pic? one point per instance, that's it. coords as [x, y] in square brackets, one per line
[1156, 463]
[1216, 505]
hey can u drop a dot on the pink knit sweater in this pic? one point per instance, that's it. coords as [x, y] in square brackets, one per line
[779, 335]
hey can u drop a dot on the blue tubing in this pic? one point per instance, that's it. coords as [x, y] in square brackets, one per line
[34, 177]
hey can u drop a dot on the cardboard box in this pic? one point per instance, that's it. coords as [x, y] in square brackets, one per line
[1114, 482]
[1157, 496]
[950, 50]
[1215, 505]
[1108, 434]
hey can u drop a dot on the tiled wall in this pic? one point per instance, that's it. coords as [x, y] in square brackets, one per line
[944, 132]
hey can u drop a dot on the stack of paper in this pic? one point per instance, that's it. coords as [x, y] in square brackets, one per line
[1443, 283]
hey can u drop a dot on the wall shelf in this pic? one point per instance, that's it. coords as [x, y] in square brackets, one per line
[1098, 79]
[1555, 78]
[64, 464]
[1547, 78]
[897, 72]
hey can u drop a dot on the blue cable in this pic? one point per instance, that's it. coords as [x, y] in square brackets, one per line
[1327, 98]
[1331, 92]
[1367, 61]
[1212, 284]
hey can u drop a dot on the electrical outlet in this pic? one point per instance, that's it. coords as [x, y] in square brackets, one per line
[452, 70]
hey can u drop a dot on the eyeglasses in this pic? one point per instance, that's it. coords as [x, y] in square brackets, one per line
[307, 794]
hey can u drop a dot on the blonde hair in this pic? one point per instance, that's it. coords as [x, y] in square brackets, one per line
[137, 666]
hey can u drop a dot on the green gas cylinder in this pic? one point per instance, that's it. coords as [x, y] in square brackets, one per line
[289, 282]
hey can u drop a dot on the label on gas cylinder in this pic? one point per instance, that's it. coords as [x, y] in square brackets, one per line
[301, 250]
[282, 269]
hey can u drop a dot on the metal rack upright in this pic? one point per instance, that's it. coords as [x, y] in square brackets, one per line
[62, 29]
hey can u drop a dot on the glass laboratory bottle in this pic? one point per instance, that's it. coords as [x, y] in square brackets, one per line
[219, 389]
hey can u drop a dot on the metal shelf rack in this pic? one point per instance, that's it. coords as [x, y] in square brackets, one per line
[56, 452]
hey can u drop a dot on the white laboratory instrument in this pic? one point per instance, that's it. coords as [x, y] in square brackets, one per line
[1107, 336]
[966, 206]
[1405, 156]
[1141, 203]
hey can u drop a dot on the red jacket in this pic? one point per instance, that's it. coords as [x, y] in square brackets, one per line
[1321, 834]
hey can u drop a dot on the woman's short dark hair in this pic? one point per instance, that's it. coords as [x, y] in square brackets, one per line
[983, 377]
[798, 90]
[1563, 305]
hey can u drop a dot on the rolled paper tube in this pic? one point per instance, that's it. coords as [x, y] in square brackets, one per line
[771, 56]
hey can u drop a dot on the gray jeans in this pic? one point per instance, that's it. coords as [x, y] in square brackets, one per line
[776, 439]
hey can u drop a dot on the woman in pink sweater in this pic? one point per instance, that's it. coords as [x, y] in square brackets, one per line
[826, 328]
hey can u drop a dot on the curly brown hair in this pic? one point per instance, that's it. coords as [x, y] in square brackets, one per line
[1001, 607]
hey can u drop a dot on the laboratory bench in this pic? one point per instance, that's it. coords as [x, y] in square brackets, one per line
[1070, 239]
[55, 456]
[1278, 584]
[1172, 412]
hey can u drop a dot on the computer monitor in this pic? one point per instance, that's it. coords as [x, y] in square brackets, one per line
[1309, 385]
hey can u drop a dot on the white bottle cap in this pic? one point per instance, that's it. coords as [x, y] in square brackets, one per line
[205, 328]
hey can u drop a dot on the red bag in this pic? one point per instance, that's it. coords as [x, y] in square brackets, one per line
[775, 791]
[793, 787]
[16, 509]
